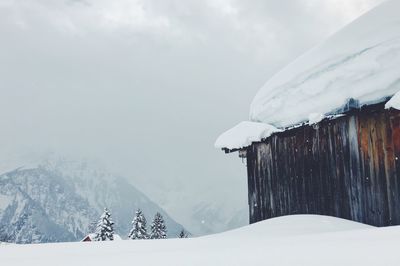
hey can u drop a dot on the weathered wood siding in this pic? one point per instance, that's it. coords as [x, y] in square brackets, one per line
[347, 167]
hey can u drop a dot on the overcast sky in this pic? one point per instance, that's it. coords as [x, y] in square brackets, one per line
[147, 86]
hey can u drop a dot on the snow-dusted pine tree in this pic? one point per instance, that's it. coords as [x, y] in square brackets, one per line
[158, 228]
[139, 230]
[183, 234]
[105, 227]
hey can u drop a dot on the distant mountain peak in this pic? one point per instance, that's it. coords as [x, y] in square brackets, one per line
[56, 200]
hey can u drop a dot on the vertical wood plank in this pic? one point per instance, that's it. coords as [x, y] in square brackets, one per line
[348, 167]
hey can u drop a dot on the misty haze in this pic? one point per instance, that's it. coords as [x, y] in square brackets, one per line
[133, 119]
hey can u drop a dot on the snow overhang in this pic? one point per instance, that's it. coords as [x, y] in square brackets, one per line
[243, 135]
[394, 102]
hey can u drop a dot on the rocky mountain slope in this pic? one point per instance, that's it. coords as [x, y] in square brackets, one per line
[58, 200]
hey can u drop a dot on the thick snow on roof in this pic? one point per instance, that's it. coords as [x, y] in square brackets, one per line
[244, 134]
[362, 62]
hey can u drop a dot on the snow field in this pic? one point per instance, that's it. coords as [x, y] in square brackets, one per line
[292, 240]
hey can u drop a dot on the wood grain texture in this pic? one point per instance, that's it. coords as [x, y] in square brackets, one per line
[347, 167]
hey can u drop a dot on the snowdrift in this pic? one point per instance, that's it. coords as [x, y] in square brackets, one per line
[291, 240]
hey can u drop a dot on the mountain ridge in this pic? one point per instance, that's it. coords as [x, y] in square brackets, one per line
[58, 200]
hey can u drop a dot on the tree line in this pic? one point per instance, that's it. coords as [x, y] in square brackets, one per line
[104, 230]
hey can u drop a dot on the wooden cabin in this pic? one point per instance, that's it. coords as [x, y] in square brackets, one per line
[346, 165]
[91, 237]
[88, 238]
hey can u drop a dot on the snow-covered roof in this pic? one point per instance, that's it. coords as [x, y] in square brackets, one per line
[244, 134]
[394, 102]
[89, 236]
[360, 62]
[92, 236]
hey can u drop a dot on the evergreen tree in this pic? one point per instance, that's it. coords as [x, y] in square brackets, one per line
[183, 234]
[105, 227]
[139, 230]
[158, 228]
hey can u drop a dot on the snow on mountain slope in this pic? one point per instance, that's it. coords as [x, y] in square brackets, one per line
[101, 188]
[290, 240]
[41, 207]
[361, 62]
[57, 200]
[208, 214]
[217, 217]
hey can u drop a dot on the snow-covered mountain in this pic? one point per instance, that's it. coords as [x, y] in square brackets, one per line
[39, 206]
[214, 218]
[205, 216]
[57, 200]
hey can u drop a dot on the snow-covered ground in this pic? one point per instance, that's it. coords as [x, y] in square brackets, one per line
[292, 240]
